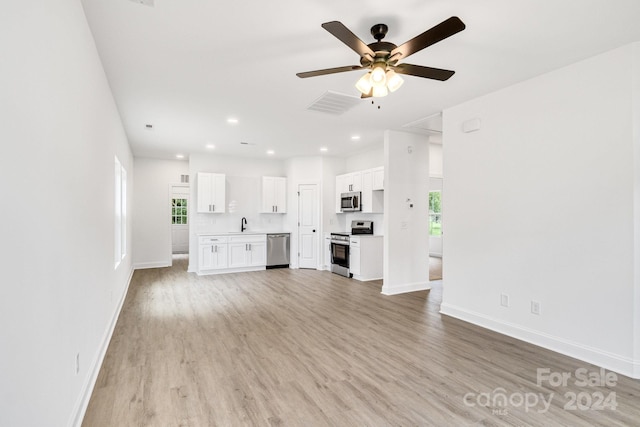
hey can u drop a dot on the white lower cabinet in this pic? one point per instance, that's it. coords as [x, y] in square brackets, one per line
[212, 253]
[354, 256]
[327, 251]
[228, 254]
[249, 252]
[365, 257]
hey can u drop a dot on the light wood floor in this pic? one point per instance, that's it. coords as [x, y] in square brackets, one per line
[435, 268]
[308, 348]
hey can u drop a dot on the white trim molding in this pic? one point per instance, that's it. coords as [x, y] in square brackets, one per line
[82, 403]
[403, 289]
[620, 364]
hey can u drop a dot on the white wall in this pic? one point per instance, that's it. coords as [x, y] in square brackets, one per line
[435, 160]
[406, 229]
[549, 181]
[60, 292]
[636, 169]
[331, 167]
[371, 158]
[152, 210]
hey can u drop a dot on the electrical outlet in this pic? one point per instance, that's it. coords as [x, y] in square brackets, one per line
[504, 300]
[77, 363]
[535, 307]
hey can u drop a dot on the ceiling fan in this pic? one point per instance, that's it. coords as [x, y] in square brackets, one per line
[381, 57]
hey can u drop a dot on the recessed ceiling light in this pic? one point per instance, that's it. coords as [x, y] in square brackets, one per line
[324, 149]
[210, 146]
[355, 138]
[179, 156]
[271, 152]
[232, 121]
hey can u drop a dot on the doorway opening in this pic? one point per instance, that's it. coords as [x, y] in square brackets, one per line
[179, 221]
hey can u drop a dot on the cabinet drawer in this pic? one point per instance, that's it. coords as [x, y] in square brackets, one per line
[354, 241]
[251, 238]
[212, 239]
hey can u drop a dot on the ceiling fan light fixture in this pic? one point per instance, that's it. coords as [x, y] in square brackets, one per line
[394, 81]
[379, 91]
[378, 75]
[364, 84]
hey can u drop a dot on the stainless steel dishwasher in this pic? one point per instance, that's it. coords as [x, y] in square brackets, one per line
[278, 251]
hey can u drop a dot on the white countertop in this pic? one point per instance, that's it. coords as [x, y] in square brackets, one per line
[239, 233]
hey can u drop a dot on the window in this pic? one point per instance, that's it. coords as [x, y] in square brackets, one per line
[435, 213]
[120, 214]
[179, 211]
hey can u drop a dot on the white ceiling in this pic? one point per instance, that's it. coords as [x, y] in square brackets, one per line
[186, 66]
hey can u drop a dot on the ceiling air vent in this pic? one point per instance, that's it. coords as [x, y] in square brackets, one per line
[145, 2]
[431, 124]
[334, 103]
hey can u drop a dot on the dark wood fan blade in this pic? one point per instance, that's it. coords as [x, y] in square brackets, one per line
[345, 35]
[368, 95]
[329, 71]
[445, 29]
[426, 72]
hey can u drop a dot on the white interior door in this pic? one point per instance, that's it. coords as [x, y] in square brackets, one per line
[308, 226]
[179, 224]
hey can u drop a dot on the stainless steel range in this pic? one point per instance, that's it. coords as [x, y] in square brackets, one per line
[340, 246]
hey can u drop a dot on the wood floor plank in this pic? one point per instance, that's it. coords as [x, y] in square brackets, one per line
[301, 347]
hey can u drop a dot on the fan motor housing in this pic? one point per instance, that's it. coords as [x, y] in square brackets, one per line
[382, 51]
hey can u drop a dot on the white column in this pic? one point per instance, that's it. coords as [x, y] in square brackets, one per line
[406, 207]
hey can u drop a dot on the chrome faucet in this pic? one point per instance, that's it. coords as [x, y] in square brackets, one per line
[243, 224]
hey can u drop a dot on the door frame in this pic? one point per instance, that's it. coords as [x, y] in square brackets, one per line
[189, 207]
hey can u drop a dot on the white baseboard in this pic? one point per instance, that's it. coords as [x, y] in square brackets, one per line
[83, 401]
[231, 270]
[403, 289]
[620, 364]
[155, 264]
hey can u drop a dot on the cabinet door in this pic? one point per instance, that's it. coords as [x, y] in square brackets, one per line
[354, 256]
[211, 192]
[340, 188]
[274, 194]
[219, 256]
[378, 178]
[268, 194]
[327, 252]
[257, 253]
[238, 254]
[280, 194]
[212, 256]
[356, 181]
[219, 193]
[205, 257]
[205, 191]
[367, 191]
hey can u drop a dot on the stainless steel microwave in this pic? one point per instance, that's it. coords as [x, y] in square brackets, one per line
[350, 202]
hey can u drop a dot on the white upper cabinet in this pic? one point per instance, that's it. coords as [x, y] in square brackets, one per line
[211, 192]
[368, 182]
[274, 194]
[378, 178]
[353, 181]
